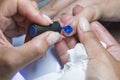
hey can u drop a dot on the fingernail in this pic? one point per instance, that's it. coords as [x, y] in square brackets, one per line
[103, 44]
[54, 37]
[47, 18]
[84, 24]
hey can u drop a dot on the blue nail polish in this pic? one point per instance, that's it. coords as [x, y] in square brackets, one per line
[68, 29]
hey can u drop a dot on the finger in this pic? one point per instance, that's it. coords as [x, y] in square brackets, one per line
[70, 20]
[75, 6]
[112, 45]
[88, 38]
[66, 14]
[37, 47]
[55, 6]
[71, 42]
[99, 58]
[31, 11]
[61, 48]
[67, 10]
[92, 13]
[3, 40]
[106, 37]
[77, 9]
[88, 13]
[63, 20]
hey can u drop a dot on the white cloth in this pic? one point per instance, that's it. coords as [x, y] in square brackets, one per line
[74, 69]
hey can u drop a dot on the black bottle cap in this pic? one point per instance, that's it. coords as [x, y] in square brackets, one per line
[35, 30]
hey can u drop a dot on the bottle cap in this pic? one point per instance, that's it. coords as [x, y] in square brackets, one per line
[35, 30]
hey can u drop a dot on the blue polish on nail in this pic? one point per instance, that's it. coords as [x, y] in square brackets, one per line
[68, 29]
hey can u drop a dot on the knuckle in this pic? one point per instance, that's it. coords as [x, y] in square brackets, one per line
[41, 47]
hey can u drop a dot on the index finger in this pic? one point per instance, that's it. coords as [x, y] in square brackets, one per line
[30, 10]
[113, 46]
[93, 46]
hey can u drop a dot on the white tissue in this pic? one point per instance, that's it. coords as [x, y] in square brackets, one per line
[75, 68]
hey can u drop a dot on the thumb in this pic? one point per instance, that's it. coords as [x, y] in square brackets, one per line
[93, 46]
[88, 38]
[30, 10]
[37, 47]
[99, 58]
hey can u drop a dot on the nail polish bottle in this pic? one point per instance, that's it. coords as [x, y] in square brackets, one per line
[35, 29]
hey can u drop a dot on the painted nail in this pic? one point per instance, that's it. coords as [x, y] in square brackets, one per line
[54, 37]
[84, 24]
[47, 18]
[67, 29]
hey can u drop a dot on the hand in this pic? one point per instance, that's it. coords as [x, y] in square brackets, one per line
[91, 9]
[55, 7]
[99, 10]
[67, 43]
[103, 63]
[15, 16]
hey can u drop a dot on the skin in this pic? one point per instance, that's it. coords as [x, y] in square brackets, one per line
[64, 19]
[74, 39]
[14, 20]
[91, 9]
[97, 9]
[103, 63]
[54, 7]
[101, 59]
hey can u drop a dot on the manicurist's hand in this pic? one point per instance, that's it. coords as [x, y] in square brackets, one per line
[15, 16]
[103, 62]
